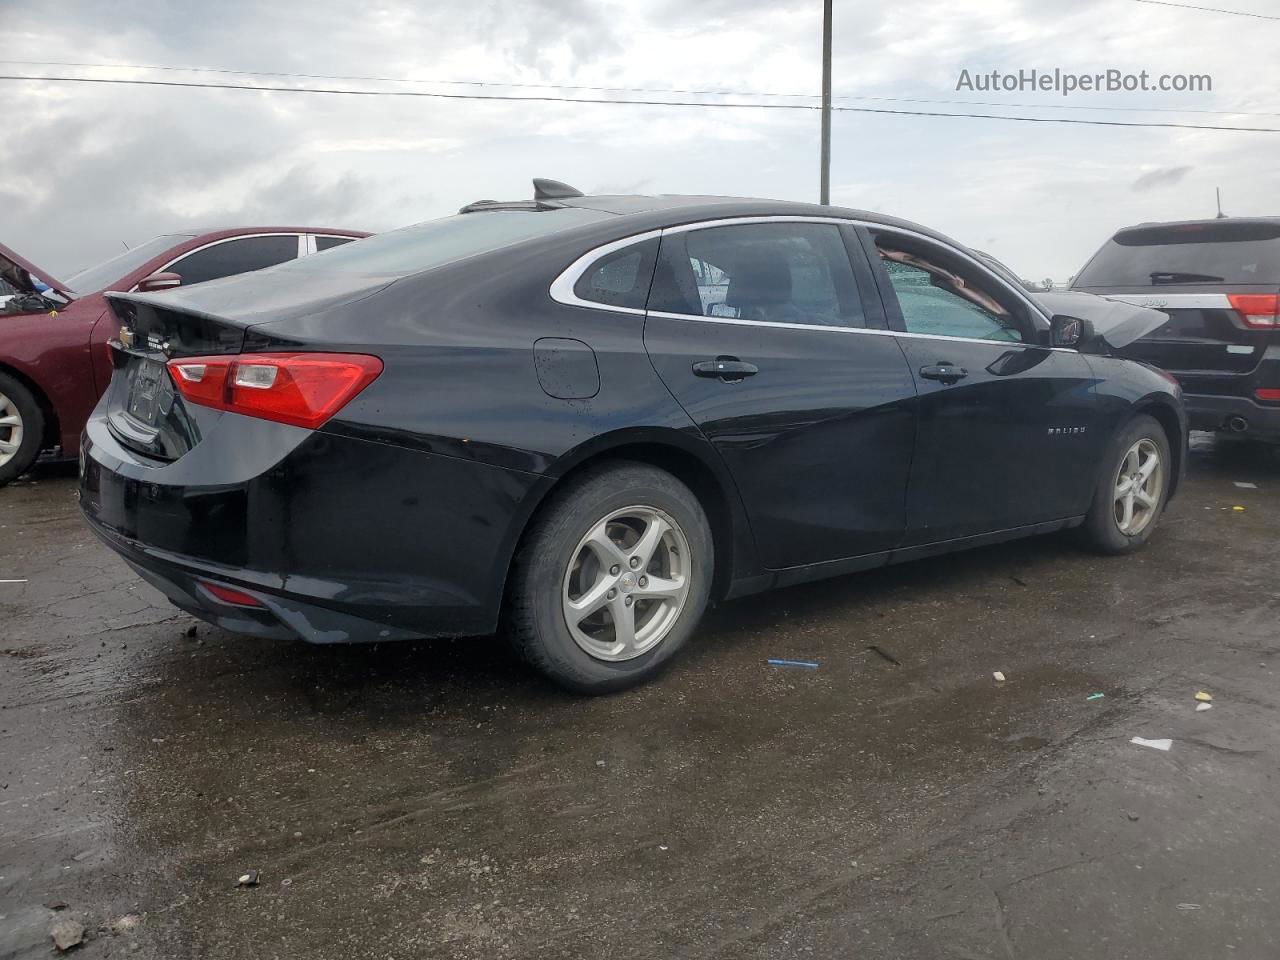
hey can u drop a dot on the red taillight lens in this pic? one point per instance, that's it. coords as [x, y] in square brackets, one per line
[1265, 394]
[1258, 309]
[303, 389]
[230, 595]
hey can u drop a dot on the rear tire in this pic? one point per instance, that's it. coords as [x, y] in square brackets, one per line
[1132, 488]
[21, 429]
[612, 579]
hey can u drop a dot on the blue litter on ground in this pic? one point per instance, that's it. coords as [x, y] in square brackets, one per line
[807, 664]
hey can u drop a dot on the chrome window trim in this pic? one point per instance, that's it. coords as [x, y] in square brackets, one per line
[873, 331]
[213, 243]
[561, 289]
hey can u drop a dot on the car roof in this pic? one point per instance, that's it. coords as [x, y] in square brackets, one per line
[647, 212]
[1206, 222]
[225, 231]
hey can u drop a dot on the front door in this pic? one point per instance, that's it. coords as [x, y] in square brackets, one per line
[759, 331]
[1007, 432]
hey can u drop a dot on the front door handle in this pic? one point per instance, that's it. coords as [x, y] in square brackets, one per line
[945, 372]
[728, 369]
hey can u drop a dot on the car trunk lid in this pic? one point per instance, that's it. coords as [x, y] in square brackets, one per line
[145, 410]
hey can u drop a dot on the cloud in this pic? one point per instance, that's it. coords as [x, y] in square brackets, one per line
[1156, 179]
[84, 167]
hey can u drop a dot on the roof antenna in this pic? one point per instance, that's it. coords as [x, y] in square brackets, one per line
[544, 189]
[1221, 215]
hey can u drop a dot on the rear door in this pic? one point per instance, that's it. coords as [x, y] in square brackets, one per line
[1217, 280]
[1007, 431]
[760, 331]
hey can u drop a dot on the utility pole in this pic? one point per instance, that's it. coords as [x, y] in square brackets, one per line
[825, 180]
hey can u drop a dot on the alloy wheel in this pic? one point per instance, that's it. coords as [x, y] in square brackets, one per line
[626, 583]
[1138, 488]
[10, 429]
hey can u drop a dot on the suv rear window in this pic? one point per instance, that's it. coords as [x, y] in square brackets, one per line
[1187, 253]
[437, 242]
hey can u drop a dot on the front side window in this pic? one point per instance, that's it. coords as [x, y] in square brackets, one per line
[620, 278]
[938, 298]
[766, 272]
[230, 257]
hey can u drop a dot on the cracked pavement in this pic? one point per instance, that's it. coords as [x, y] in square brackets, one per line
[435, 799]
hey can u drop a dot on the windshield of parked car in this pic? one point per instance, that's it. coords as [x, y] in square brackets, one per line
[118, 267]
[1166, 254]
[437, 242]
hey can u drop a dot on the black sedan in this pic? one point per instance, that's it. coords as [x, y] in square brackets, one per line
[582, 418]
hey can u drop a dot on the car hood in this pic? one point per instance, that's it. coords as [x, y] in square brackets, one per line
[20, 273]
[1117, 322]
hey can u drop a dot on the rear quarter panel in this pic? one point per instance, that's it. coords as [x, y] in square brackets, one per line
[52, 353]
[460, 378]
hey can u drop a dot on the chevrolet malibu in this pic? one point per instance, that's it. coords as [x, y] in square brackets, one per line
[579, 419]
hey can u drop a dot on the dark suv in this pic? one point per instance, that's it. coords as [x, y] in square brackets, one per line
[1219, 282]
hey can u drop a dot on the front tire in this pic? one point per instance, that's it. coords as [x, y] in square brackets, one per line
[21, 429]
[1132, 488]
[612, 579]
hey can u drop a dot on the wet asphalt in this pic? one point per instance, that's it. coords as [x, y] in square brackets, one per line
[435, 799]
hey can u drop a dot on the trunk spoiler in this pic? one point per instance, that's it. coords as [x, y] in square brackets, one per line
[23, 274]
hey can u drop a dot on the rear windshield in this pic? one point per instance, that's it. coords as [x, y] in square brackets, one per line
[437, 242]
[1168, 255]
[121, 265]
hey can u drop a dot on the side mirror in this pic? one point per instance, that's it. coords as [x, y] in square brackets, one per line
[1069, 332]
[159, 281]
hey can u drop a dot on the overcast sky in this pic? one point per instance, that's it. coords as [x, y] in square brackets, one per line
[86, 168]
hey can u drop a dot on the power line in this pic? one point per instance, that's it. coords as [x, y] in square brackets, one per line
[1063, 106]
[1189, 6]
[369, 79]
[602, 89]
[642, 103]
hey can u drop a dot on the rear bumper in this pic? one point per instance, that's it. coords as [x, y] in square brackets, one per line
[340, 539]
[1224, 413]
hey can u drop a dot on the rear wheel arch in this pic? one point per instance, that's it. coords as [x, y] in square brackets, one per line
[667, 451]
[52, 428]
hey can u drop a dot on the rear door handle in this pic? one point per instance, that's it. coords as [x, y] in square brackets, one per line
[728, 369]
[943, 371]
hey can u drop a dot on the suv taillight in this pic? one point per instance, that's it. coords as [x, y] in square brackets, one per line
[1258, 309]
[302, 389]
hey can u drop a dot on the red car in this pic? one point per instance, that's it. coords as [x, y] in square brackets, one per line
[54, 362]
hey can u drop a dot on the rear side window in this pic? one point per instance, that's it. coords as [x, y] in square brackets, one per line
[621, 278]
[328, 243]
[767, 272]
[230, 257]
[1187, 254]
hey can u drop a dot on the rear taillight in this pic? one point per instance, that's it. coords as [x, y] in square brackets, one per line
[302, 389]
[1266, 394]
[1258, 309]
